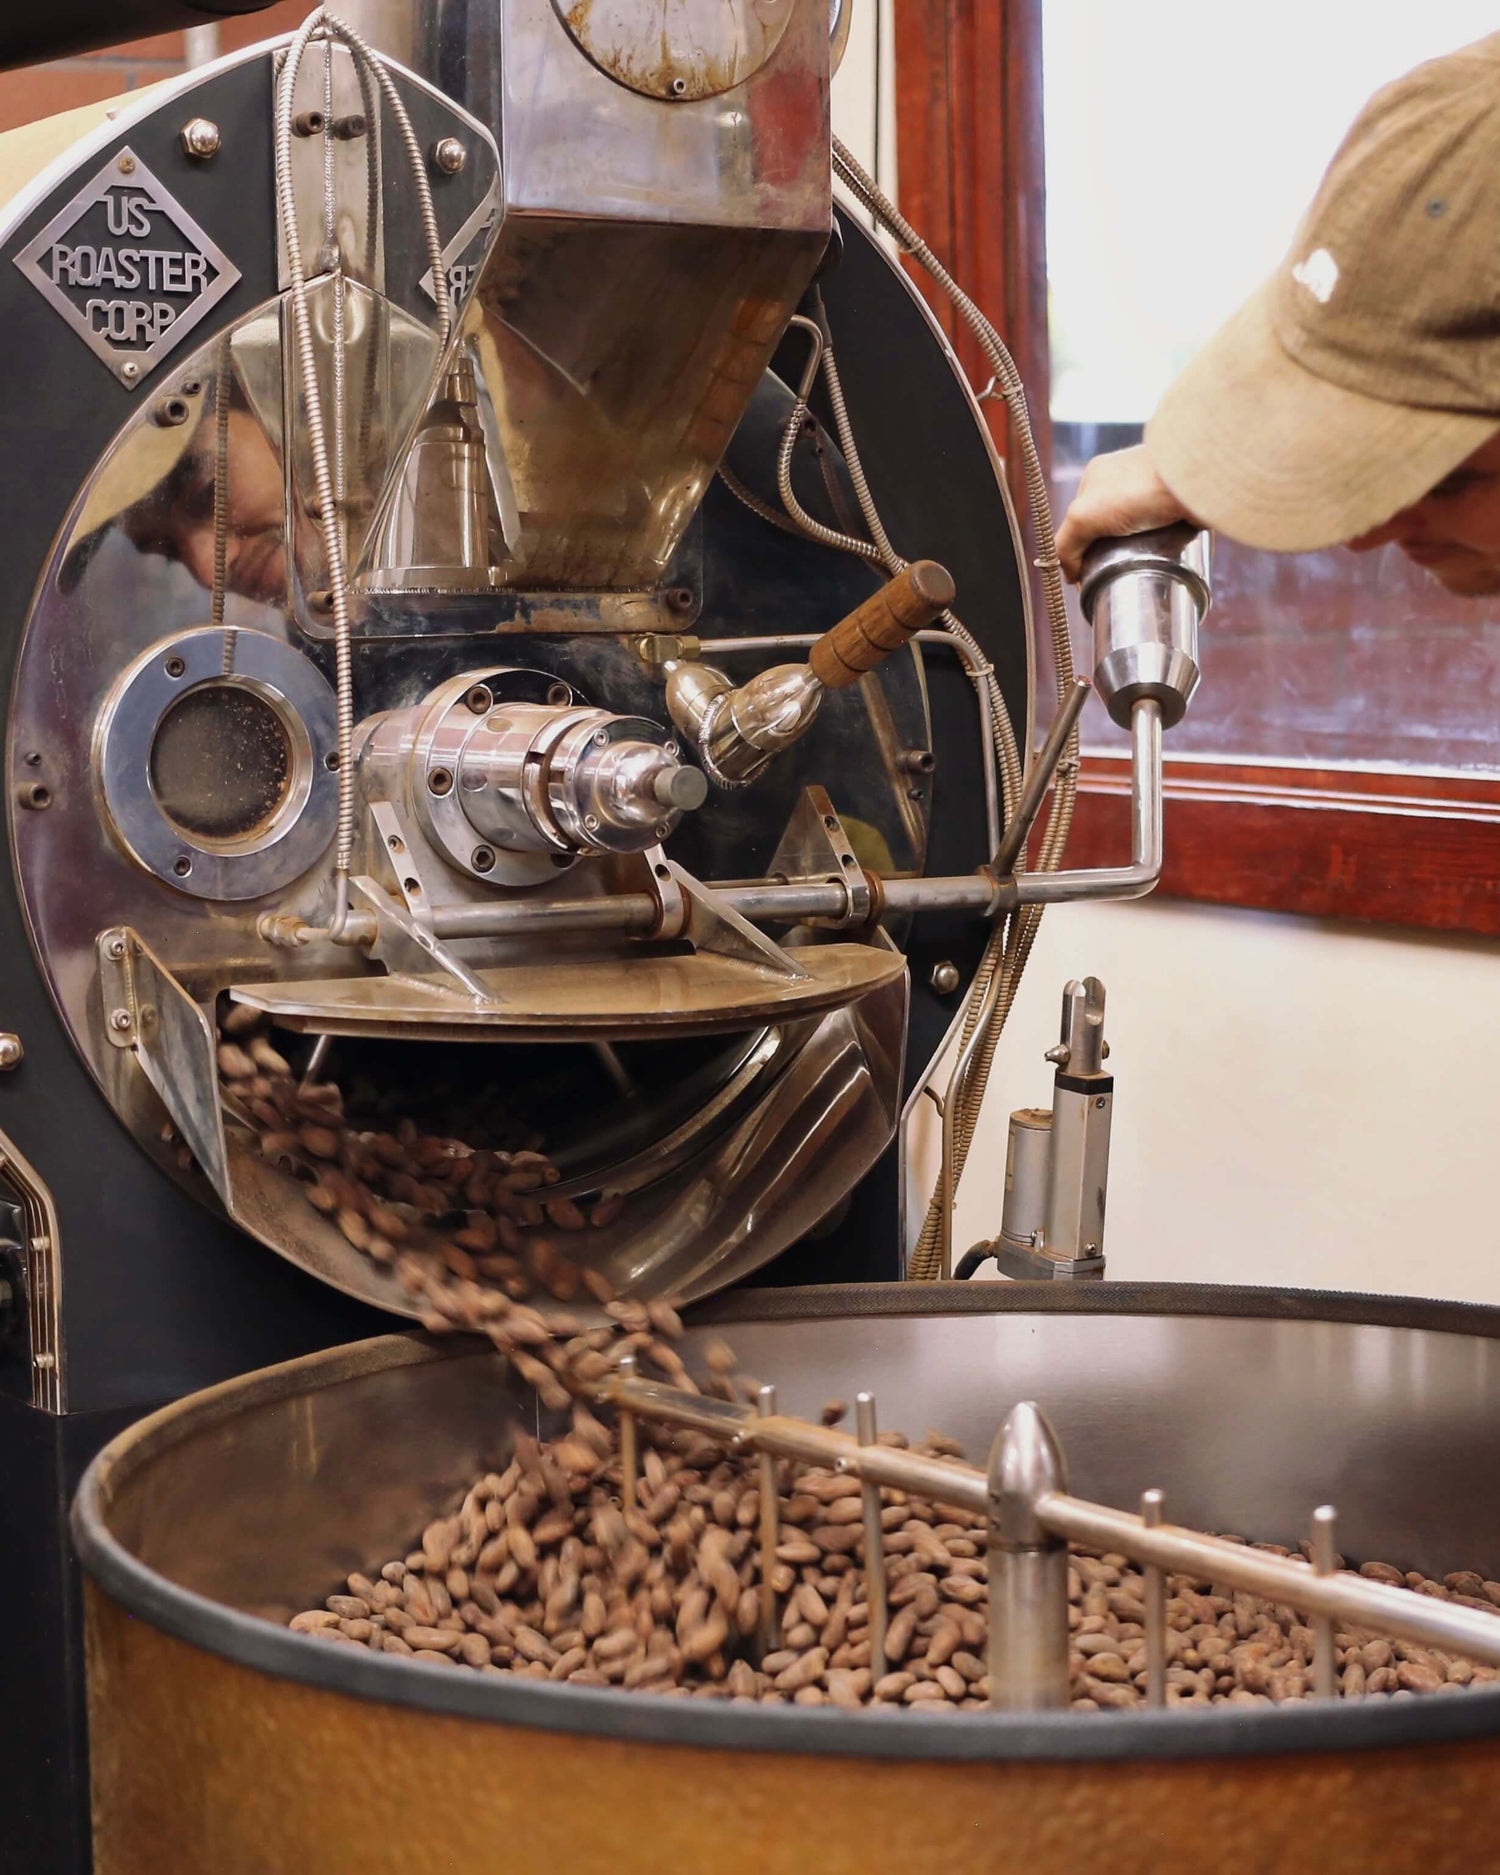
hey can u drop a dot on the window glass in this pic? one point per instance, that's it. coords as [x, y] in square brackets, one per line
[1183, 142]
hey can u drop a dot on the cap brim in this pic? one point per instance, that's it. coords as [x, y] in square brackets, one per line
[1257, 446]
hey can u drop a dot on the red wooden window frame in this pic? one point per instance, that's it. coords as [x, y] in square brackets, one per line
[1387, 847]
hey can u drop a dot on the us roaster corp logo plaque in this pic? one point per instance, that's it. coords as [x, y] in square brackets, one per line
[128, 268]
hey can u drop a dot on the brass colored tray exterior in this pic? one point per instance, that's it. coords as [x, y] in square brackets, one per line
[201, 1764]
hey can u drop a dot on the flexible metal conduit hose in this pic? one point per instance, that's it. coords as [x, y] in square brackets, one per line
[321, 22]
[994, 988]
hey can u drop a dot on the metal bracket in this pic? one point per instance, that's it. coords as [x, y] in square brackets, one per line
[404, 861]
[664, 883]
[117, 986]
[1036, 1266]
[406, 947]
[814, 846]
[711, 925]
[147, 1010]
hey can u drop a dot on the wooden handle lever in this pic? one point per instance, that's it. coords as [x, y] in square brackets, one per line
[882, 624]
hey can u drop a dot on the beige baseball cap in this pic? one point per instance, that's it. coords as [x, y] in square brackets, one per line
[1368, 366]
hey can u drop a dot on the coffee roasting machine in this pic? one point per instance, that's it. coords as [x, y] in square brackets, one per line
[508, 582]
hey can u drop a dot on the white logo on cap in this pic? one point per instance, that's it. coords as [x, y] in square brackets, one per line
[1319, 273]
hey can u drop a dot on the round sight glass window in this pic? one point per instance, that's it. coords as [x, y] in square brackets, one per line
[221, 763]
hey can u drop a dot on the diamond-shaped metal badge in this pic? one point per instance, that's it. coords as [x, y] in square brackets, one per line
[128, 268]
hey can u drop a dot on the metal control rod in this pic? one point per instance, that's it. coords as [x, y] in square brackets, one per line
[986, 891]
[1350, 1600]
[1039, 779]
[1116, 882]
[757, 900]
[1032, 1520]
[762, 901]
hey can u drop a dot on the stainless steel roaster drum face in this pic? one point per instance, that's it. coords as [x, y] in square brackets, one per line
[215, 754]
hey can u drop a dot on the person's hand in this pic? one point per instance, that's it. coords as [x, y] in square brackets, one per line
[1119, 494]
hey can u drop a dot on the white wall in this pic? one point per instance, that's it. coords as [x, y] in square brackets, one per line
[1297, 1102]
[856, 106]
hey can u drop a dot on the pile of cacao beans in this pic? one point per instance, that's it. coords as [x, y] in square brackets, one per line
[543, 1570]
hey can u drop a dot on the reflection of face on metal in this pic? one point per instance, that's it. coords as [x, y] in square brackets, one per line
[128, 268]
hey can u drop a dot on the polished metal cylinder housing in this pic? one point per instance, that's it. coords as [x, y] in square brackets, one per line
[1028, 1155]
[493, 771]
[537, 778]
[1145, 596]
